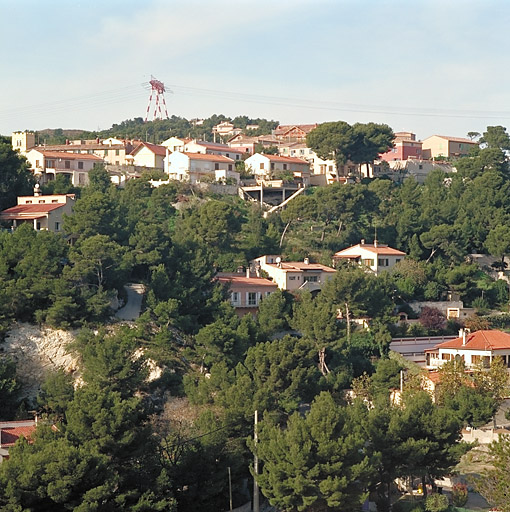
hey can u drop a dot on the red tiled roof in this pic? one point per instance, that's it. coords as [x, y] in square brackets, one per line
[157, 150]
[255, 281]
[10, 434]
[301, 266]
[211, 158]
[380, 249]
[455, 139]
[480, 340]
[68, 156]
[31, 209]
[282, 129]
[286, 159]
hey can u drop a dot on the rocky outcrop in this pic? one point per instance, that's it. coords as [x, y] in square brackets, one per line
[37, 350]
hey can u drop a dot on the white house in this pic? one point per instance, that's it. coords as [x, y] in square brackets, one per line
[477, 348]
[194, 167]
[213, 148]
[175, 143]
[47, 164]
[294, 275]
[376, 257]
[268, 166]
[43, 212]
[148, 155]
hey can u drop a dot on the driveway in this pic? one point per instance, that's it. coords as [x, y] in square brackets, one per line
[131, 311]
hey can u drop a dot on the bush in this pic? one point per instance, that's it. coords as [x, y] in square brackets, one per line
[437, 503]
[459, 495]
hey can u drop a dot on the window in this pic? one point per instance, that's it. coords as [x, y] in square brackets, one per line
[272, 166]
[117, 152]
[116, 162]
[446, 357]
[368, 262]
[105, 152]
[81, 178]
[67, 164]
[261, 166]
[80, 165]
[228, 155]
[301, 151]
[216, 167]
[312, 279]
[54, 200]
[397, 260]
[41, 201]
[420, 166]
[382, 262]
[50, 163]
[284, 167]
[28, 202]
[252, 299]
[37, 163]
[38, 226]
[235, 298]
[238, 157]
[57, 226]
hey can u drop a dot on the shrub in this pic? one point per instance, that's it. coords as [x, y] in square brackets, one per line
[459, 495]
[437, 503]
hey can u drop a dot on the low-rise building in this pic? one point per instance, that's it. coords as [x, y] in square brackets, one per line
[11, 431]
[213, 148]
[442, 146]
[148, 155]
[246, 291]
[43, 212]
[194, 167]
[405, 146]
[476, 349]
[293, 275]
[376, 257]
[293, 132]
[48, 164]
[270, 166]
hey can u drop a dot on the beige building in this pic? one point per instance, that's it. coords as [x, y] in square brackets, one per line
[269, 166]
[23, 141]
[440, 146]
[246, 291]
[43, 212]
[175, 143]
[294, 275]
[48, 164]
[375, 257]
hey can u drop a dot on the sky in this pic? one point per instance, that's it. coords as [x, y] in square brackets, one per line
[425, 66]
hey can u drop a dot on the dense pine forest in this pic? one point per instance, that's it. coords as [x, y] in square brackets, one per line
[119, 441]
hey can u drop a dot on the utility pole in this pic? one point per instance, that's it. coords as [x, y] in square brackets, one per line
[230, 488]
[255, 468]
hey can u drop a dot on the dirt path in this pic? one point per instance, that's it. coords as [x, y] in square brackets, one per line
[131, 311]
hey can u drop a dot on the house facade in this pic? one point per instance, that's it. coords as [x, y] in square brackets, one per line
[441, 146]
[48, 164]
[293, 132]
[175, 143]
[477, 348]
[246, 291]
[43, 212]
[23, 141]
[375, 257]
[194, 167]
[405, 146]
[148, 155]
[267, 166]
[293, 275]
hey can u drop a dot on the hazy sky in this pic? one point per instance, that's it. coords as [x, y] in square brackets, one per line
[423, 66]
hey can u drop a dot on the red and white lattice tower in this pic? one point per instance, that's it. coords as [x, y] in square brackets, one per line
[158, 91]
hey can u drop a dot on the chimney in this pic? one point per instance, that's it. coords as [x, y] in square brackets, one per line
[362, 241]
[375, 242]
[306, 261]
[37, 190]
[248, 272]
[463, 334]
[67, 142]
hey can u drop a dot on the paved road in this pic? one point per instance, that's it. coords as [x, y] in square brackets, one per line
[131, 311]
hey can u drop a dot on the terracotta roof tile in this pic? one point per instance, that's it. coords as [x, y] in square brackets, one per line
[480, 340]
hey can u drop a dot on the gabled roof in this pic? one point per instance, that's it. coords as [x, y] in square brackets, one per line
[213, 146]
[285, 159]
[480, 340]
[454, 139]
[300, 266]
[209, 158]
[64, 155]
[373, 248]
[157, 150]
[283, 129]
